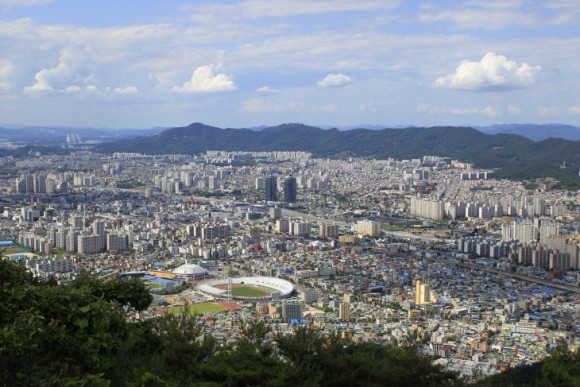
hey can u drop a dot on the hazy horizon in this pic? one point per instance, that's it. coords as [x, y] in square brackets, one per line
[260, 127]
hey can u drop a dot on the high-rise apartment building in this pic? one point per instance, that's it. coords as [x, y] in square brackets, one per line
[328, 230]
[368, 228]
[422, 293]
[271, 189]
[290, 189]
[344, 311]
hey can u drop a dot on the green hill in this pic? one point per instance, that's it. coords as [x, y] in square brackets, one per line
[515, 156]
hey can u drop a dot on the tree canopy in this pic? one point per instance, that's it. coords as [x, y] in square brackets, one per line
[80, 335]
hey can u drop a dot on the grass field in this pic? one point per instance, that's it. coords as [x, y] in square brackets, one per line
[13, 250]
[154, 285]
[249, 292]
[200, 309]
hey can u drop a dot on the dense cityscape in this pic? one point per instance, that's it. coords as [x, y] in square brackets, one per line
[481, 274]
[290, 193]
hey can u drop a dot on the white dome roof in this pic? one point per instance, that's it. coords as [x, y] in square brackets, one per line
[189, 269]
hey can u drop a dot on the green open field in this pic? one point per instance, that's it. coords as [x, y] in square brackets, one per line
[200, 309]
[154, 285]
[14, 250]
[249, 292]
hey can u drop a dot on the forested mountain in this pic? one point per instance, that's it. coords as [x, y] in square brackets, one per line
[514, 155]
[536, 132]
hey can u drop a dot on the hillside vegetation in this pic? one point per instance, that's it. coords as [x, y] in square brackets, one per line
[80, 335]
[515, 156]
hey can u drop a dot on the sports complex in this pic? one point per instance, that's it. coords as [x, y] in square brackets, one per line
[247, 288]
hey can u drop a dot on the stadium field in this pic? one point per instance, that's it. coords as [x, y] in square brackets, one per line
[247, 291]
[207, 307]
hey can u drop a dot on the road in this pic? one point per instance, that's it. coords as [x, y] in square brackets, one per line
[520, 276]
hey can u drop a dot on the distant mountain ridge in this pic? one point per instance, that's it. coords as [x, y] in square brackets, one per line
[516, 156]
[43, 134]
[47, 135]
[535, 132]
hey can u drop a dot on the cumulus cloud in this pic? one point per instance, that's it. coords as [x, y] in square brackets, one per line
[334, 80]
[6, 69]
[203, 80]
[492, 73]
[72, 73]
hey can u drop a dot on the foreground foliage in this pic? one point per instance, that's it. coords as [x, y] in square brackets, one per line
[80, 335]
[562, 368]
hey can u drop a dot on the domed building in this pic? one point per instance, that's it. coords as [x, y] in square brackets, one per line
[191, 272]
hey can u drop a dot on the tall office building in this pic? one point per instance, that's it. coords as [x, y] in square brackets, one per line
[290, 189]
[271, 189]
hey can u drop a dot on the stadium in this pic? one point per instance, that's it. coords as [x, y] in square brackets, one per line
[247, 288]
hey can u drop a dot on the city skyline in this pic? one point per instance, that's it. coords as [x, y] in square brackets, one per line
[249, 63]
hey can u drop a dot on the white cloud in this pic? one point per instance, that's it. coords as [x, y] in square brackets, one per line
[282, 8]
[126, 90]
[253, 9]
[546, 110]
[568, 12]
[73, 72]
[575, 109]
[6, 68]
[203, 80]
[73, 89]
[490, 111]
[495, 4]
[492, 73]
[485, 15]
[513, 109]
[434, 109]
[334, 80]
[22, 3]
[266, 89]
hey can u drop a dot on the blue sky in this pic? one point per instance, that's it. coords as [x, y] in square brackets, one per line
[147, 63]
